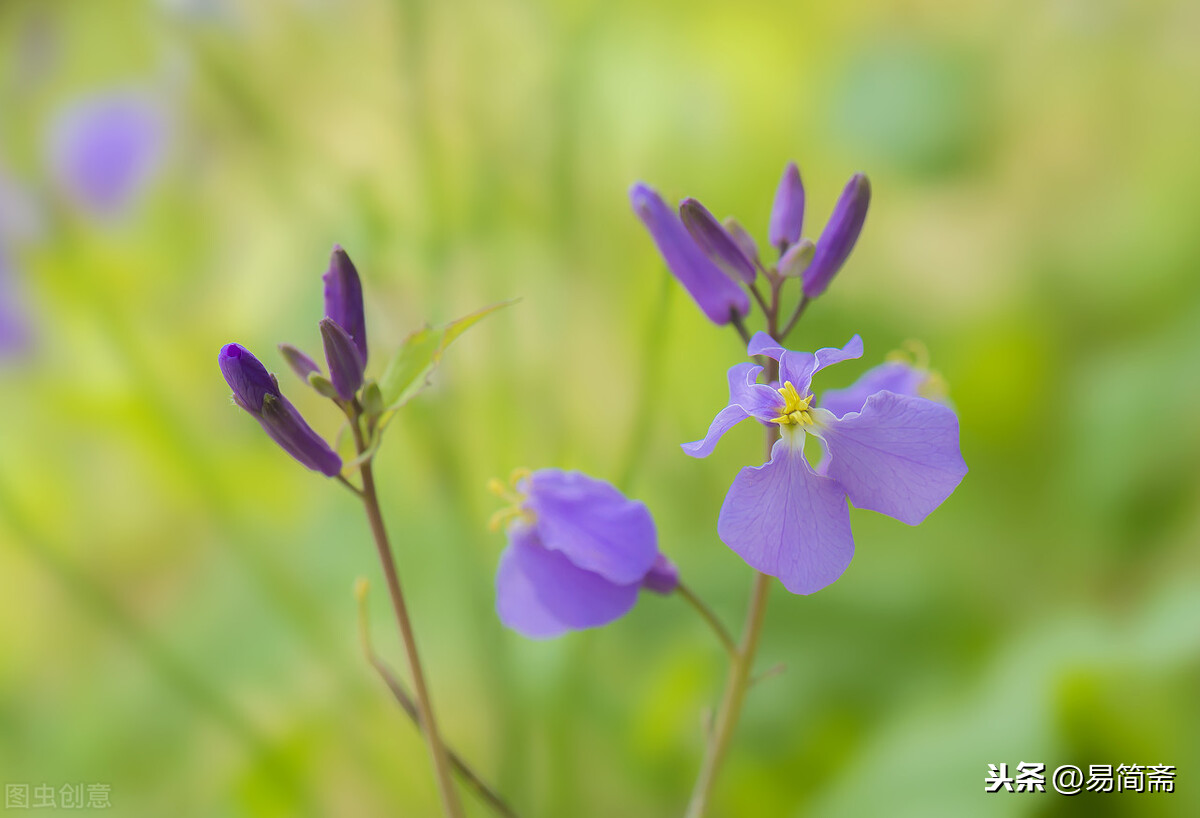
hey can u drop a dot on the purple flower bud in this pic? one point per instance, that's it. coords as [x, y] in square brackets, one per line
[745, 240]
[787, 216]
[286, 427]
[345, 361]
[247, 377]
[344, 299]
[256, 391]
[715, 241]
[300, 363]
[663, 577]
[797, 258]
[839, 235]
[716, 293]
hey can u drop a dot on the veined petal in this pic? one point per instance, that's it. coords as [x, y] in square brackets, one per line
[716, 293]
[898, 456]
[592, 524]
[715, 240]
[540, 593]
[747, 399]
[893, 376]
[725, 420]
[828, 356]
[785, 520]
[763, 344]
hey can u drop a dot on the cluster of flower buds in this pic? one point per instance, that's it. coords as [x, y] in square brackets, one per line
[714, 260]
[344, 333]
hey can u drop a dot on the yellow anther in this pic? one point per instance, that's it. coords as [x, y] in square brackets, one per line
[934, 387]
[497, 487]
[510, 493]
[795, 408]
[518, 474]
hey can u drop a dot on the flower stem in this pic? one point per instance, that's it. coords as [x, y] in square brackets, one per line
[731, 703]
[485, 791]
[437, 750]
[742, 663]
[711, 618]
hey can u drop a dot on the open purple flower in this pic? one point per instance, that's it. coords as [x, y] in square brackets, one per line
[578, 553]
[257, 391]
[897, 454]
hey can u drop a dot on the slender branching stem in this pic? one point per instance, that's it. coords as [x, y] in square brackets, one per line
[437, 750]
[350, 486]
[758, 296]
[742, 662]
[485, 791]
[711, 618]
[740, 326]
[800, 308]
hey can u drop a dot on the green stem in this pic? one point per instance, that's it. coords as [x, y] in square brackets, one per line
[711, 618]
[437, 750]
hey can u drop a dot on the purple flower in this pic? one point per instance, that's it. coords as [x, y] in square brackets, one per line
[104, 149]
[716, 241]
[578, 553]
[344, 359]
[256, 391]
[839, 235]
[897, 454]
[344, 299]
[717, 294]
[15, 332]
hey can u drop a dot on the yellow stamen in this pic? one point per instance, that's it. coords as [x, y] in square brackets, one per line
[510, 493]
[795, 409]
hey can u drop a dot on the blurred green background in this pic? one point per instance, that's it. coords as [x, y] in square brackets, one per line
[175, 592]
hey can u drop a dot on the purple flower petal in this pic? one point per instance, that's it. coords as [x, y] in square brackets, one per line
[785, 520]
[899, 456]
[247, 377]
[893, 376]
[15, 332]
[787, 214]
[345, 361]
[839, 236]
[799, 367]
[104, 149]
[746, 399]
[288, 428]
[592, 524]
[344, 298]
[744, 240]
[540, 593]
[663, 578]
[715, 241]
[716, 293]
[763, 344]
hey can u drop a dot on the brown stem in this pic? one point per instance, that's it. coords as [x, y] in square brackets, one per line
[437, 750]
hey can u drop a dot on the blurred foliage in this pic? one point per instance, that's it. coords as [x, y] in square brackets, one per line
[175, 593]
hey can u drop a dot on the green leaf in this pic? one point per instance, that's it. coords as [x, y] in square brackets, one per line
[408, 372]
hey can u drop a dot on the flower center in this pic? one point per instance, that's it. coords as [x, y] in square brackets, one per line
[515, 510]
[795, 411]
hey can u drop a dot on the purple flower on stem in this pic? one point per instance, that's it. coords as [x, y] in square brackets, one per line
[256, 391]
[104, 149]
[578, 553]
[787, 213]
[718, 295]
[896, 454]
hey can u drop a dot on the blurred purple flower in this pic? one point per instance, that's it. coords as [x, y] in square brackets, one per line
[105, 148]
[898, 455]
[718, 295]
[15, 332]
[787, 213]
[344, 298]
[839, 236]
[578, 553]
[257, 391]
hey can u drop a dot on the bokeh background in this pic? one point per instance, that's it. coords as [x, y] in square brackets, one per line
[175, 593]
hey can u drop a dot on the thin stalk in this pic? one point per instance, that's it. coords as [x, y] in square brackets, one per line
[800, 308]
[484, 790]
[739, 679]
[740, 326]
[711, 618]
[437, 750]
